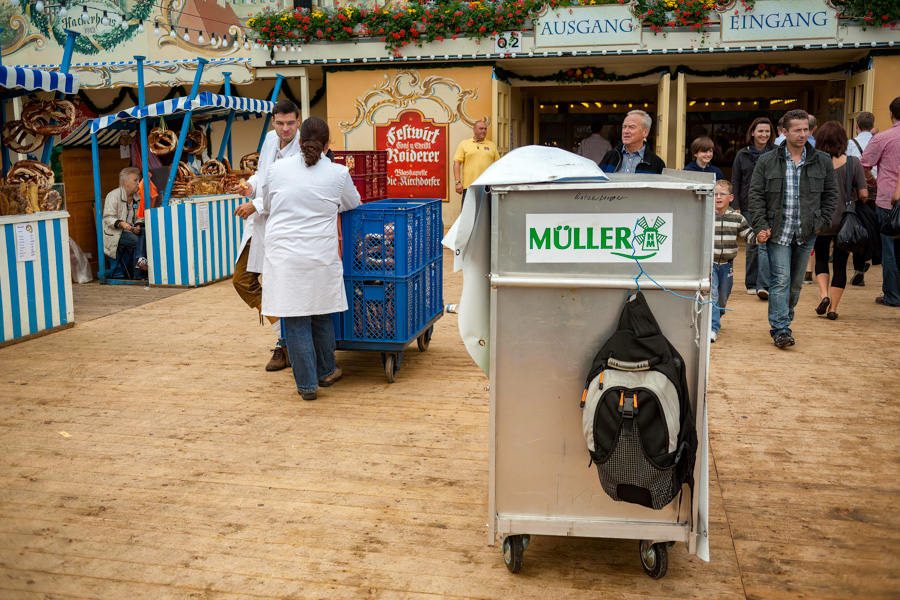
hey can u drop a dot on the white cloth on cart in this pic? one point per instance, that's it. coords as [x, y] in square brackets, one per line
[470, 240]
[255, 226]
[302, 270]
[470, 235]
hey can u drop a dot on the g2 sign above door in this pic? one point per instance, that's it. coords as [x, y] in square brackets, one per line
[780, 20]
[602, 25]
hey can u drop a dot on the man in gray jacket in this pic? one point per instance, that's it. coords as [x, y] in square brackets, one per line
[792, 196]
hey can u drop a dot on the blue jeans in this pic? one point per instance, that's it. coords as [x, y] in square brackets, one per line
[890, 284]
[764, 272]
[787, 265]
[722, 280]
[310, 345]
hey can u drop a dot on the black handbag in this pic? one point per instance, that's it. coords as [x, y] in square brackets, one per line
[852, 235]
[891, 225]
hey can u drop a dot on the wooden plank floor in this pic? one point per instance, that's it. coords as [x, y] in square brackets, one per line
[146, 454]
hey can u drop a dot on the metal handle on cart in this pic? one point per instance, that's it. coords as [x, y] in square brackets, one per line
[624, 283]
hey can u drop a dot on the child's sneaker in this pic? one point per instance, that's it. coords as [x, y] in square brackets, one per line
[751, 292]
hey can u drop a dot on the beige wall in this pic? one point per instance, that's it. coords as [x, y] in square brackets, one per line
[454, 96]
[887, 74]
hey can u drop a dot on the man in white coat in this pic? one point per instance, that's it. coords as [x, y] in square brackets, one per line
[303, 271]
[280, 143]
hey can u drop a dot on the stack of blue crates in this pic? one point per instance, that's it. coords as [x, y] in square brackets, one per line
[392, 270]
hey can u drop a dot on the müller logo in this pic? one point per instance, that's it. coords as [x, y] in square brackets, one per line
[600, 238]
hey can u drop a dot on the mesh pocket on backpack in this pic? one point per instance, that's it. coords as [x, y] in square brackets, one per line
[627, 475]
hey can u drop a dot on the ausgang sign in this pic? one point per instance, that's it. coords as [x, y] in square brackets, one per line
[417, 155]
[780, 20]
[604, 25]
[598, 238]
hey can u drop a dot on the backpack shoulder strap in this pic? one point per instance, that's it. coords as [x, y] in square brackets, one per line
[857, 144]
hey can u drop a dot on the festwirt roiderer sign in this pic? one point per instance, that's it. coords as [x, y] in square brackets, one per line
[598, 238]
[417, 156]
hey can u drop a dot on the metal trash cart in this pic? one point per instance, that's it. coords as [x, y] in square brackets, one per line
[393, 274]
[556, 293]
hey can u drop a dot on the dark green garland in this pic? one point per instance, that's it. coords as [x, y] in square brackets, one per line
[755, 71]
[571, 75]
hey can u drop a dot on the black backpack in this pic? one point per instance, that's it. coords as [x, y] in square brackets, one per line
[638, 420]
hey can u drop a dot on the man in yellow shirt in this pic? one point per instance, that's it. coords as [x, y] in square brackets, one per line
[472, 158]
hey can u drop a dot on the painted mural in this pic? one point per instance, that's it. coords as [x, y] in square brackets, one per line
[167, 32]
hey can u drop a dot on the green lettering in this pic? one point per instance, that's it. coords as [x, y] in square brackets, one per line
[577, 246]
[590, 240]
[556, 236]
[606, 238]
[541, 240]
[622, 235]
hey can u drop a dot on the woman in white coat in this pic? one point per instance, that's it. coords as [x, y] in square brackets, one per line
[303, 274]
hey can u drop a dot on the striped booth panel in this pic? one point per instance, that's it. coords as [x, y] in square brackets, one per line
[35, 295]
[181, 253]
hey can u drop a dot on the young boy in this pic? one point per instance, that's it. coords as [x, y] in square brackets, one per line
[729, 225]
[702, 151]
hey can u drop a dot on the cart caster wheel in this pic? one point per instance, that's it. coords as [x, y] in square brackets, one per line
[654, 558]
[391, 367]
[425, 339]
[513, 551]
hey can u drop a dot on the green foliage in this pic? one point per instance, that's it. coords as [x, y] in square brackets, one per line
[870, 13]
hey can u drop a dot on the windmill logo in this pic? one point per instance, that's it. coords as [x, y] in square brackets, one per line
[649, 241]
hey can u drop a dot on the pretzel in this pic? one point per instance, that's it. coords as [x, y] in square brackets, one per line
[162, 141]
[18, 138]
[234, 181]
[37, 116]
[52, 200]
[31, 171]
[198, 142]
[184, 172]
[250, 162]
[227, 164]
[212, 167]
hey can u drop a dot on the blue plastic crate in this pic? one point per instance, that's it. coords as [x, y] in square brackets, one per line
[392, 310]
[391, 238]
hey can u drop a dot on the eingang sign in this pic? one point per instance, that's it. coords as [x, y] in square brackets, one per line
[598, 238]
[780, 20]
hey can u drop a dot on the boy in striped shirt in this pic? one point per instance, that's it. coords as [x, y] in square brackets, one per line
[729, 225]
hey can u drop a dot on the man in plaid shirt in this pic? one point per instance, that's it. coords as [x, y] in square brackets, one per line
[792, 195]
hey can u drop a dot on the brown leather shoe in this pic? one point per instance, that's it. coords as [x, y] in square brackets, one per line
[279, 360]
[332, 379]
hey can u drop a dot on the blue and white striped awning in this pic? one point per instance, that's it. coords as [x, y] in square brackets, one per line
[34, 79]
[205, 107]
[213, 62]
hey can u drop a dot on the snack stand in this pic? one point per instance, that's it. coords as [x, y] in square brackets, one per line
[35, 273]
[193, 237]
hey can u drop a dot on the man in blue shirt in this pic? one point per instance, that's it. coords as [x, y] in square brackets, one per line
[792, 195]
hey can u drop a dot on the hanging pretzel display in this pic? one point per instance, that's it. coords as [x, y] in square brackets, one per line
[18, 138]
[37, 116]
[31, 171]
[162, 141]
[195, 142]
[212, 167]
[250, 162]
[227, 164]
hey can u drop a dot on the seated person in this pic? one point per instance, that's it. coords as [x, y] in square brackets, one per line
[120, 227]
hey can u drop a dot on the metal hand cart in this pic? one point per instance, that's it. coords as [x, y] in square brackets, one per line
[561, 270]
[393, 274]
